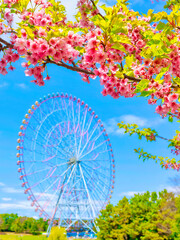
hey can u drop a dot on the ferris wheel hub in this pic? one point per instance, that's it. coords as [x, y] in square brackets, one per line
[73, 160]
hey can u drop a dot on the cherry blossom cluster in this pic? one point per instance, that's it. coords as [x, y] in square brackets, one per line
[99, 58]
[175, 166]
[10, 2]
[85, 48]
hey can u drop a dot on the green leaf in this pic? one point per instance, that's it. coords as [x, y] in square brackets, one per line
[142, 85]
[119, 75]
[170, 119]
[29, 32]
[120, 47]
[161, 74]
[129, 61]
[161, 26]
[177, 80]
[145, 93]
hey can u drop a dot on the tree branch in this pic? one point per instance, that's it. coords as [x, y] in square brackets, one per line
[92, 1]
[73, 68]
[138, 80]
[6, 43]
[132, 78]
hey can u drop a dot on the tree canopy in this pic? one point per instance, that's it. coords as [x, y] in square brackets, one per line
[132, 54]
[14, 223]
[147, 216]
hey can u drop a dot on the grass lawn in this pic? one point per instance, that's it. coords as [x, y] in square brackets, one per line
[13, 236]
[22, 236]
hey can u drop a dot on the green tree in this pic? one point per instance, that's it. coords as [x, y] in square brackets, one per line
[17, 226]
[147, 216]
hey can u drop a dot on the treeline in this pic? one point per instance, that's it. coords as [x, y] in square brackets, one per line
[148, 216]
[15, 223]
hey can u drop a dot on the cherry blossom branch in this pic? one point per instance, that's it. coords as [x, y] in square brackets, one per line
[78, 69]
[96, 8]
[6, 43]
[138, 80]
[73, 68]
[10, 31]
[132, 78]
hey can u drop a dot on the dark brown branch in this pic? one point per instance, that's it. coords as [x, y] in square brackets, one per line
[138, 80]
[6, 43]
[96, 8]
[73, 68]
[78, 69]
[132, 78]
[10, 31]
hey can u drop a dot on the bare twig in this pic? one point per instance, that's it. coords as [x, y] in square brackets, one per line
[10, 31]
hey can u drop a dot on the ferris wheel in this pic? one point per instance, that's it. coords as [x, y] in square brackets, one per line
[66, 162]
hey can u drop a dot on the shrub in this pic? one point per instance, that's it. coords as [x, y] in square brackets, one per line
[57, 233]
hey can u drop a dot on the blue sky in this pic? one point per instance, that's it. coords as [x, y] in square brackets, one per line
[17, 94]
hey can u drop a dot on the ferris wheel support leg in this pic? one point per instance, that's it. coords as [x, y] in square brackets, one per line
[54, 215]
[58, 200]
[53, 218]
[96, 227]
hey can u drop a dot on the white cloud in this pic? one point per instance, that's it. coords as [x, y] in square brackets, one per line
[19, 205]
[6, 189]
[11, 190]
[134, 119]
[130, 193]
[21, 85]
[4, 84]
[112, 128]
[6, 199]
[173, 189]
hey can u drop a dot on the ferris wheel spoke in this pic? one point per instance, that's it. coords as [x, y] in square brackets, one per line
[94, 140]
[47, 203]
[89, 197]
[95, 170]
[90, 160]
[46, 178]
[57, 149]
[93, 148]
[56, 99]
[63, 140]
[47, 159]
[98, 136]
[88, 140]
[75, 140]
[44, 117]
[38, 121]
[82, 131]
[32, 173]
[99, 189]
[34, 130]
[97, 165]
[55, 181]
